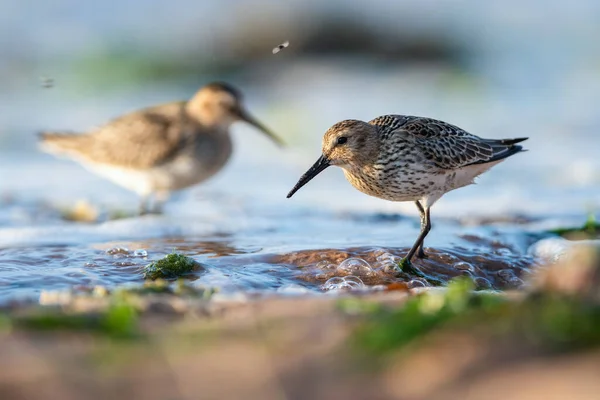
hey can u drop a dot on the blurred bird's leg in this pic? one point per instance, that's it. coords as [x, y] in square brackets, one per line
[160, 198]
[420, 252]
[144, 205]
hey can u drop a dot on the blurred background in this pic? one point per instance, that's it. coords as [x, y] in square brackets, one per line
[498, 69]
[495, 69]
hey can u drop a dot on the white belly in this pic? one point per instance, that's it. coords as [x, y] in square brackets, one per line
[412, 185]
[456, 179]
[178, 174]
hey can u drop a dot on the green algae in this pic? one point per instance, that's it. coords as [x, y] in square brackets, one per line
[589, 230]
[171, 266]
[555, 322]
[163, 287]
[119, 320]
[386, 329]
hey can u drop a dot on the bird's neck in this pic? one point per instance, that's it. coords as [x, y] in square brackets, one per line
[199, 114]
[364, 178]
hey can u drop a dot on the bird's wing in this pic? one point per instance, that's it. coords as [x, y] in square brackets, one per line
[141, 139]
[445, 145]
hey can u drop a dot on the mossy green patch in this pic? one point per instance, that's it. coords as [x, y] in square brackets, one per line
[385, 329]
[589, 230]
[558, 322]
[119, 320]
[161, 286]
[543, 319]
[171, 266]
[157, 286]
[120, 214]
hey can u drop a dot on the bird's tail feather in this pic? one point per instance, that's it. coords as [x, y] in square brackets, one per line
[505, 142]
[59, 142]
[503, 148]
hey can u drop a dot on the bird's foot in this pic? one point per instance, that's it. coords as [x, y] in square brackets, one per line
[421, 254]
[151, 212]
[407, 267]
[156, 211]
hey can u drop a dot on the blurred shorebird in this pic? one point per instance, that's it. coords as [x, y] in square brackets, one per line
[407, 158]
[160, 149]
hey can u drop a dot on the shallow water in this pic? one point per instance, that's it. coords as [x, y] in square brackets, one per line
[279, 250]
[252, 239]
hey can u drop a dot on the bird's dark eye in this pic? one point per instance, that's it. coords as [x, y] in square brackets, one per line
[342, 140]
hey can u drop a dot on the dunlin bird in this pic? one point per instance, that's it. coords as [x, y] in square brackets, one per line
[407, 158]
[157, 150]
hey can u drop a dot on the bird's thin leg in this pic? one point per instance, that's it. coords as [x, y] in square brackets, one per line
[420, 251]
[144, 205]
[159, 201]
[425, 228]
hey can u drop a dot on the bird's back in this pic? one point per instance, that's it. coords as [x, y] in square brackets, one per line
[423, 158]
[138, 140]
[439, 145]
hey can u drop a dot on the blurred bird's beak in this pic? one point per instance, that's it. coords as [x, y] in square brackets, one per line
[317, 168]
[245, 116]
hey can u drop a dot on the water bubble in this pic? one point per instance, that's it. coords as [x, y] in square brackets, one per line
[292, 289]
[509, 278]
[464, 266]
[355, 266]
[124, 264]
[345, 283]
[504, 252]
[390, 268]
[354, 281]
[380, 252]
[118, 251]
[324, 264]
[482, 283]
[387, 262]
[416, 283]
[334, 283]
[140, 253]
[387, 257]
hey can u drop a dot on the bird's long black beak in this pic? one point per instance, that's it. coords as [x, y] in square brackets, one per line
[245, 116]
[317, 168]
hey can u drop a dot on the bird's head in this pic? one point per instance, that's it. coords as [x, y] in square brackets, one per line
[348, 144]
[219, 104]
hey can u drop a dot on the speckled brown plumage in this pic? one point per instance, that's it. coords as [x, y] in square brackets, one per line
[141, 139]
[408, 158]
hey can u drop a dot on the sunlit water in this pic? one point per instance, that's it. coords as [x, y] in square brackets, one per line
[284, 250]
[250, 238]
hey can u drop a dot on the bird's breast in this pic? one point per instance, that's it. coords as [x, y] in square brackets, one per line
[395, 182]
[198, 160]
